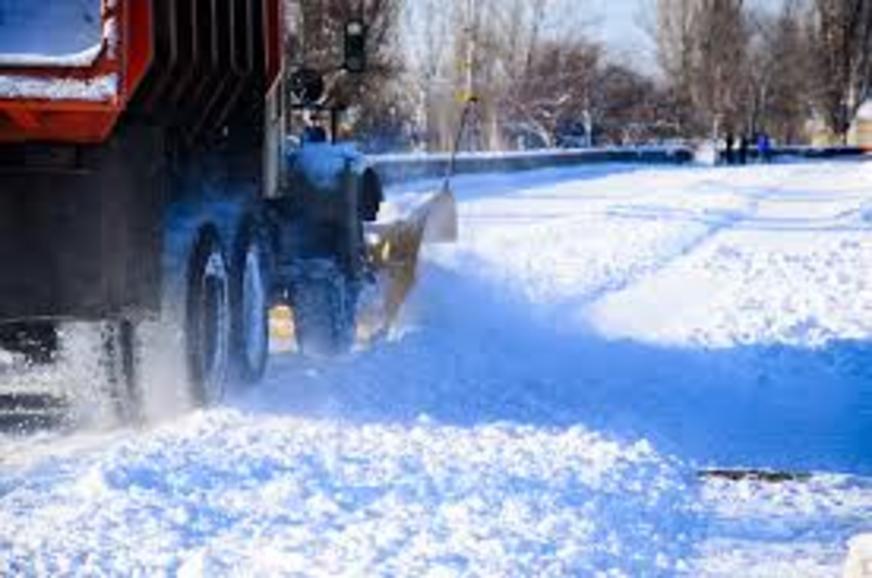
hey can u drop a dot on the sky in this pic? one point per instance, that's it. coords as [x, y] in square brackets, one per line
[624, 27]
[616, 23]
[619, 24]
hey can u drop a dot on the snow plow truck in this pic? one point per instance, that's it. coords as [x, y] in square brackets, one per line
[146, 189]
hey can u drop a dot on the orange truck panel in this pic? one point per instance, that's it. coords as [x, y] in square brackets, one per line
[83, 103]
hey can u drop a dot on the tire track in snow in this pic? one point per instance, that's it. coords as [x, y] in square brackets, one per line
[723, 221]
[502, 235]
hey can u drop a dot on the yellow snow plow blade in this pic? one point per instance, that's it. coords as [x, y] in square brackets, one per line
[393, 248]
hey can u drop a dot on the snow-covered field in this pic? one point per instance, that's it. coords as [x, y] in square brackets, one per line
[597, 338]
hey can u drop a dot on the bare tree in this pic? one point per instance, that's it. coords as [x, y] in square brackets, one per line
[702, 47]
[629, 108]
[427, 44]
[779, 73]
[676, 41]
[559, 88]
[842, 44]
[721, 42]
[531, 66]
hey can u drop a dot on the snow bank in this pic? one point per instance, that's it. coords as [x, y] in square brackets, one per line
[281, 496]
[640, 150]
[404, 168]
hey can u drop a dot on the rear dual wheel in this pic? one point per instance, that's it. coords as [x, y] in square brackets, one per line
[208, 321]
[227, 323]
[212, 332]
[250, 301]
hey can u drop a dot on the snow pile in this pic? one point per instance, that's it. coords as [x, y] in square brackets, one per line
[59, 34]
[7, 359]
[99, 89]
[50, 33]
[280, 496]
[706, 153]
[388, 158]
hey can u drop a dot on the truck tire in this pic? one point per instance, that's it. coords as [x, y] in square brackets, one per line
[208, 321]
[250, 306]
[119, 361]
[182, 355]
[324, 305]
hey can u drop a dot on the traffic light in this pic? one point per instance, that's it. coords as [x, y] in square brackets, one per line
[355, 46]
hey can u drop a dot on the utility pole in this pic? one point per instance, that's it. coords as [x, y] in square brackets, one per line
[471, 34]
[469, 96]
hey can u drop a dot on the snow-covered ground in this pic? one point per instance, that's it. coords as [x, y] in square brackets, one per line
[597, 338]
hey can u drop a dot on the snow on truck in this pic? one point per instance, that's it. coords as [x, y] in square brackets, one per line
[145, 190]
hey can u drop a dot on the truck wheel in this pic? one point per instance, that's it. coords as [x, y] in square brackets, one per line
[324, 305]
[207, 321]
[119, 351]
[250, 307]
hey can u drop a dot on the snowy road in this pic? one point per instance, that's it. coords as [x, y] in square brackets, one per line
[596, 338]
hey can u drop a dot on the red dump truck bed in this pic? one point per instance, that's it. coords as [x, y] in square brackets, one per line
[68, 70]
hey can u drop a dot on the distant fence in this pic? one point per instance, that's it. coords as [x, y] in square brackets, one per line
[409, 167]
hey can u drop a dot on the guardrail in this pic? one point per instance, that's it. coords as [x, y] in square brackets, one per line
[401, 168]
[809, 152]
[803, 152]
